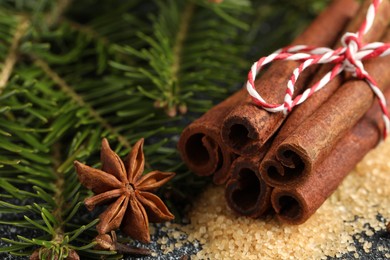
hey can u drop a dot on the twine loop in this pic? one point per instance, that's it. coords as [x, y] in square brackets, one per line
[348, 58]
[352, 63]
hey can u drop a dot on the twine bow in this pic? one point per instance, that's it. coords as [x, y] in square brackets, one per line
[349, 58]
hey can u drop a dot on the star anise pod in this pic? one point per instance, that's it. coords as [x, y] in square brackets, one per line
[132, 203]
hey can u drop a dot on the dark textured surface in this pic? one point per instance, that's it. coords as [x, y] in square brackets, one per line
[379, 239]
[186, 250]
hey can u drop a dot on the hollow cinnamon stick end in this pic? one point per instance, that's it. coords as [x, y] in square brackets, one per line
[272, 172]
[291, 155]
[290, 208]
[240, 134]
[289, 167]
[246, 193]
[199, 151]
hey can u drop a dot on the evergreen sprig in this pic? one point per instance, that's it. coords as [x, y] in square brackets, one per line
[71, 74]
[192, 52]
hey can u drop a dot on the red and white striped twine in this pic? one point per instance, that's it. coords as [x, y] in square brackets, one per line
[349, 57]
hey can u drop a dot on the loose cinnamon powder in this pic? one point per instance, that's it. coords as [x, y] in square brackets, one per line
[362, 196]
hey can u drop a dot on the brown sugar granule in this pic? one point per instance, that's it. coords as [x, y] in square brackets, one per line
[359, 199]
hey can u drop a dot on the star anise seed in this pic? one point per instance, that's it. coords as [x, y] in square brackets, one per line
[134, 205]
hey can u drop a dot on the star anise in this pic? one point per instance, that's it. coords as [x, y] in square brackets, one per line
[132, 203]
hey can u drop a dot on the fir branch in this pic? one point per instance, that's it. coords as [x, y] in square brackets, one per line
[95, 35]
[58, 195]
[183, 56]
[56, 12]
[80, 101]
[12, 56]
[178, 49]
[87, 30]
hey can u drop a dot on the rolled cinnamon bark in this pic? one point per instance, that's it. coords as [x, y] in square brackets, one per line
[294, 204]
[247, 128]
[315, 138]
[272, 171]
[200, 144]
[246, 193]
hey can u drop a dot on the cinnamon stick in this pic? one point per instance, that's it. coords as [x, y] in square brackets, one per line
[246, 193]
[294, 204]
[272, 171]
[201, 146]
[315, 138]
[247, 128]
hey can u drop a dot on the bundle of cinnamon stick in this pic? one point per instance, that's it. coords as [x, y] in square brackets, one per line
[293, 163]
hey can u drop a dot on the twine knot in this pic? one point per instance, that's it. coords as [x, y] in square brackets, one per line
[351, 62]
[348, 58]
